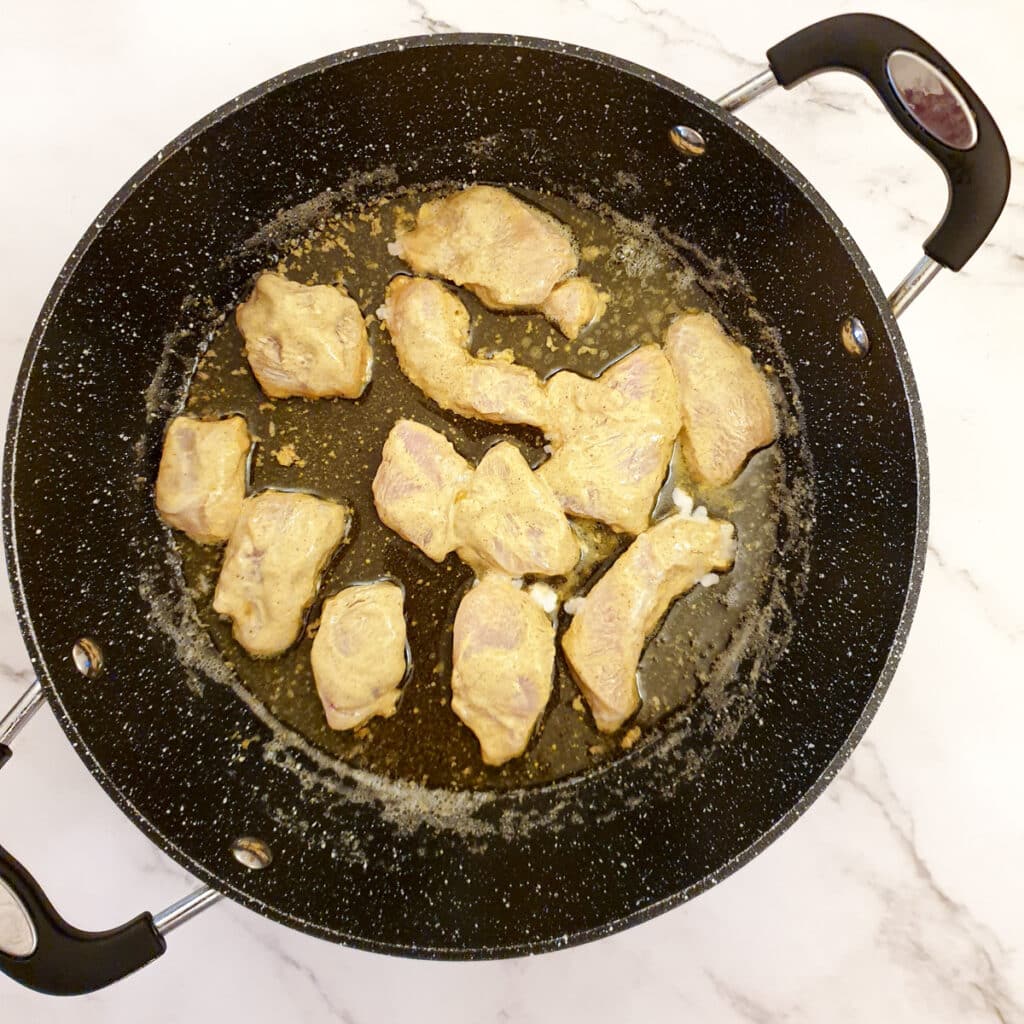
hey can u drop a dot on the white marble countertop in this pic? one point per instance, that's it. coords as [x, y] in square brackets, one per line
[899, 895]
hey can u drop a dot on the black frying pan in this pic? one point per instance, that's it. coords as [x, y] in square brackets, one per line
[411, 869]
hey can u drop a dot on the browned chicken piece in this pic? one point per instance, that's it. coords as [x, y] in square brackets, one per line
[305, 341]
[608, 633]
[359, 654]
[506, 252]
[503, 656]
[612, 439]
[277, 551]
[507, 520]
[415, 487]
[429, 327]
[575, 304]
[727, 408]
[202, 477]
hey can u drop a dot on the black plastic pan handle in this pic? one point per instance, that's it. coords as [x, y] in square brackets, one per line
[60, 959]
[38, 948]
[930, 101]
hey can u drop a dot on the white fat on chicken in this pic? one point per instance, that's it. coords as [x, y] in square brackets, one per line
[545, 597]
[305, 341]
[359, 654]
[203, 471]
[279, 547]
[610, 628]
[415, 487]
[508, 520]
[727, 408]
[611, 439]
[503, 656]
[507, 252]
[429, 328]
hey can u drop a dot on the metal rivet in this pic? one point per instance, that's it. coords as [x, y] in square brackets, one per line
[251, 852]
[854, 337]
[88, 657]
[687, 140]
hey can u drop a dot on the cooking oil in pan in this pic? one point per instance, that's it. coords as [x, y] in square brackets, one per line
[332, 448]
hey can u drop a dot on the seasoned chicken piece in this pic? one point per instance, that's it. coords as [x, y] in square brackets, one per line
[727, 409]
[607, 635]
[429, 327]
[203, 470]
[507, 520]
[505, 251]
[415, 487]
[503, 656]
[612, 438]
[359, 654]
[305, 341]
[573, 305]
[272, 566]
[500, 516]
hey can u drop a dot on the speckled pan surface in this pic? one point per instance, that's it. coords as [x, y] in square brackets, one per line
[420, 872]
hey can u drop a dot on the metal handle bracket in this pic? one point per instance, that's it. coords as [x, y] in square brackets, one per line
[933, 105]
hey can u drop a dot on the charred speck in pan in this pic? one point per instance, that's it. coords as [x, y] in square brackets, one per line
[709, 640]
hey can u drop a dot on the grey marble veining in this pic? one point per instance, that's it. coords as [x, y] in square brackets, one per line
[898, 896]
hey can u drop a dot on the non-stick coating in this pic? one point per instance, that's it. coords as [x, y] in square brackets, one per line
[181, 752]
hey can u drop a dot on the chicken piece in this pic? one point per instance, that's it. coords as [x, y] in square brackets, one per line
[727, 408]
[499, 517]
[202, 477]
[573, 305]
[414, 490]
[272, 566]
[506, 252]
[612, 439]
[607, 635]
[359, 654]
[429, 327]
[503, 657]
[507, 520]
[304, 341]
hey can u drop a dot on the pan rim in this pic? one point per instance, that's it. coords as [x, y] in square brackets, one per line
[910, 598]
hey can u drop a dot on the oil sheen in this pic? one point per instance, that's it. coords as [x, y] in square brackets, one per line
[332, 448]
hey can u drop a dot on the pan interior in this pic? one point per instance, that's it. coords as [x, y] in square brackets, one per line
[332, 448]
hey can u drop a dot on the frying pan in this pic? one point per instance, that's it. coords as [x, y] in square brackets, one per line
[400, 867]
